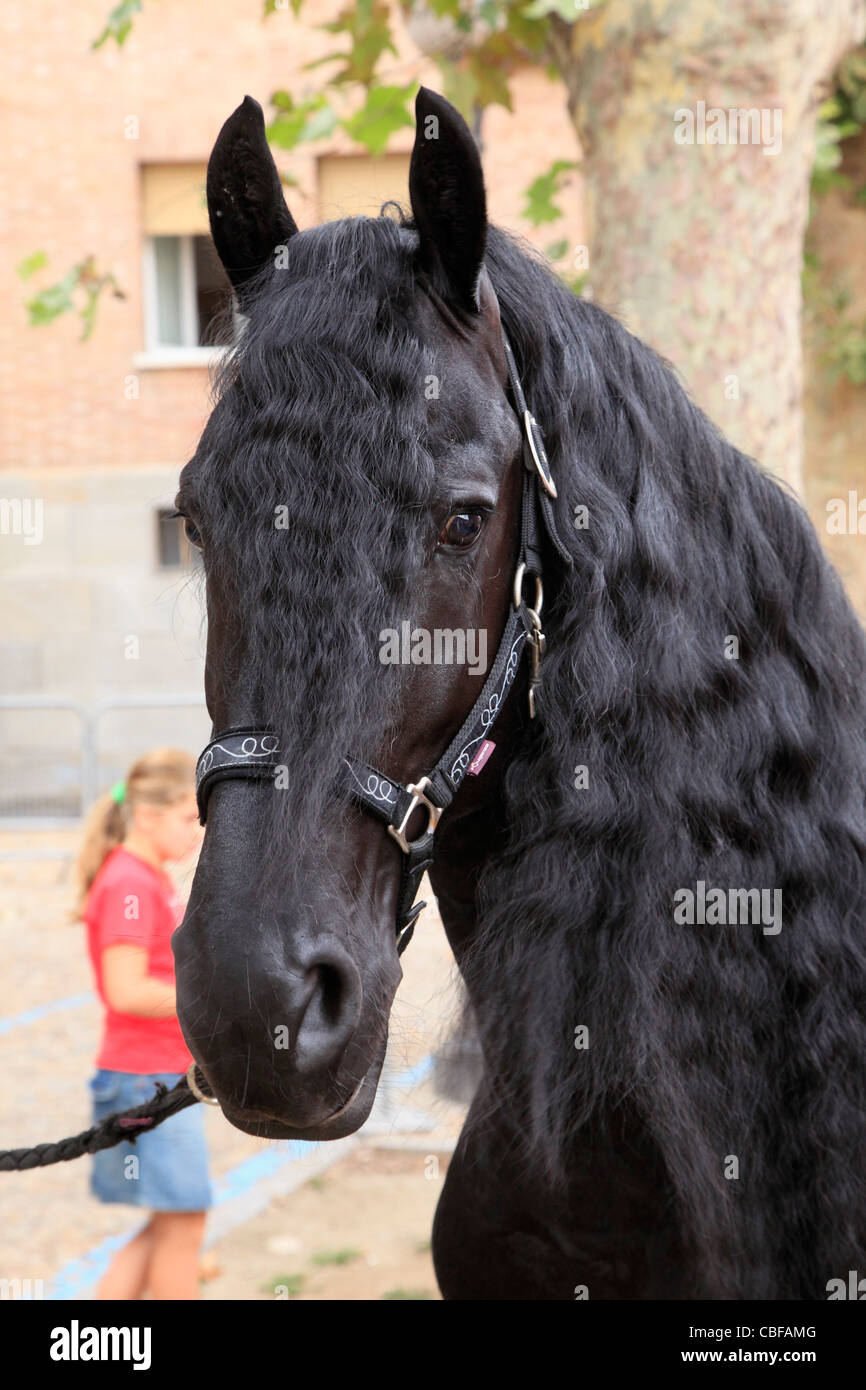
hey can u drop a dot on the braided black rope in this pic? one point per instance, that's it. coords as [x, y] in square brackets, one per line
[126, 1124]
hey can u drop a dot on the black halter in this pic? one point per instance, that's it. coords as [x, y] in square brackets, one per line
[244, 752]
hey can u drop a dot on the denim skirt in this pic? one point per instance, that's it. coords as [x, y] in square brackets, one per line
[166, 1169]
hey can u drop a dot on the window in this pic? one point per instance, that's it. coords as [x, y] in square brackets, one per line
[187, 294]
[189, 314]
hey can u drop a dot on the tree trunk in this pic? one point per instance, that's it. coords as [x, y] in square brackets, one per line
[698, 246]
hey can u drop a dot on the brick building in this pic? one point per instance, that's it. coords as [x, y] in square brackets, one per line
[105, 154]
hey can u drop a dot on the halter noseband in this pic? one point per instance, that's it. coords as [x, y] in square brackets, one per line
[254, 753]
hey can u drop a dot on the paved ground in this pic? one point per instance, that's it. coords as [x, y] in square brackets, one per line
[359, 1230]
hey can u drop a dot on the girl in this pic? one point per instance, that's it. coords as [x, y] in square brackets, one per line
[130, 908]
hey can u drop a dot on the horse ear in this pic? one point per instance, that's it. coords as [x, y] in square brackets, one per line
[446, 189]
[245, 203]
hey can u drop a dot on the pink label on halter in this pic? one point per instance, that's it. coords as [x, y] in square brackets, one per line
[481, 757]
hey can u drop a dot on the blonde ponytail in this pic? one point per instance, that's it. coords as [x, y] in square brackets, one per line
[161, 777]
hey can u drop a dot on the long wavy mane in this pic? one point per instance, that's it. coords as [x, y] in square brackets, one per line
[743, 773]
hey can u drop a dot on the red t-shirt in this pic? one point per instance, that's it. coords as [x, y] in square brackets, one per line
[130, 900]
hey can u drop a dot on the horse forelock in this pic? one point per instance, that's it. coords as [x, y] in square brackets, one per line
[316, 488]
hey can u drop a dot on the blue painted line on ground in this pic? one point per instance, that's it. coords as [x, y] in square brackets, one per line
[57, 1006]
[260, 1166]
[78, 1275]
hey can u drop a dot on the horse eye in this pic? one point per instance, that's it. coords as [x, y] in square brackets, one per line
[192, 532]
[461, 529]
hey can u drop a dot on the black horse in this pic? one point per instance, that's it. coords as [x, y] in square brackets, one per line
[655, 888]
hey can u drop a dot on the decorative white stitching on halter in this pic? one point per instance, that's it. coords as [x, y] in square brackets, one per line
[207, 758]
[490, 711]
[376, 787]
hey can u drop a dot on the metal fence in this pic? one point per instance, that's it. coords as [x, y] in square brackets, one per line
[62, 754]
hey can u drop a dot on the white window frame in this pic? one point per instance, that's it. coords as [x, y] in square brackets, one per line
[190, 353]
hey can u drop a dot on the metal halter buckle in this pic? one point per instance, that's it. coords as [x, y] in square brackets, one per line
[418, 799]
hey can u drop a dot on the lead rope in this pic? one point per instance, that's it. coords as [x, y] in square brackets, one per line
[114, 1129]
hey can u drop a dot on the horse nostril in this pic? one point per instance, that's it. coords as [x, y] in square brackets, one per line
[331, 1007]
[329, 987]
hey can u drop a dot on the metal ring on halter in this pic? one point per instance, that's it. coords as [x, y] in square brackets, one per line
[540, 460]
[199, 1095]
[416, 791]
[518, 590]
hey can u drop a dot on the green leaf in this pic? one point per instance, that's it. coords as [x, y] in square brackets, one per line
[88, 314]
[441, 8]
[368, 27]
[459, 87]
[383, 112]
[118, 24]
[841, 116]
[828, 155]
[556, 250]
[285, 130]
[271, 7]
[829, 110]
[31, 264]
[575, 282]
[490, 11]
[539, 195]
[50, 303]
[320, 124]
[307, 120]
[58, 299]
[490, 69]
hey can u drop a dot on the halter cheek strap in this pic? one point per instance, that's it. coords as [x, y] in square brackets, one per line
[254, 753]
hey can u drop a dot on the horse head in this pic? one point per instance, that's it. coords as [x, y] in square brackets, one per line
[362, 506]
